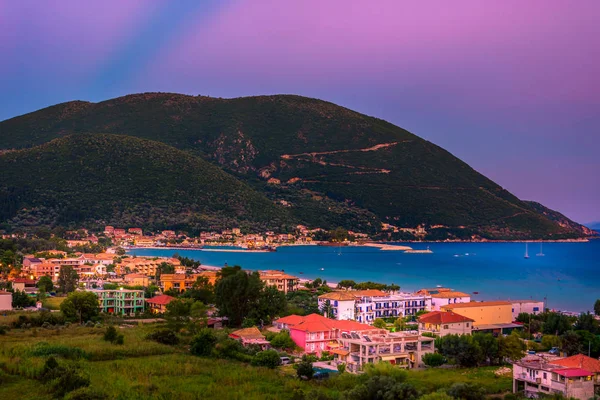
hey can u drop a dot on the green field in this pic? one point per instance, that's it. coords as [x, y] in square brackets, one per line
[142, 369]
[52, 303]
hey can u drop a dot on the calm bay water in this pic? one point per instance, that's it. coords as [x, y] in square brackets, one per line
[568, 276]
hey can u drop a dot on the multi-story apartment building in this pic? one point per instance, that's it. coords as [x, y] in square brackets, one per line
[535, 375]
[372, 304]
[144, 265]
[183, 282]
[282, 281]
[122, 302]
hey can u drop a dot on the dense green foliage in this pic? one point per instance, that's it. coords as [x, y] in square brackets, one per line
[349, 182]
[80, 306]
[125, 181]
[244, 298]
[480, 349]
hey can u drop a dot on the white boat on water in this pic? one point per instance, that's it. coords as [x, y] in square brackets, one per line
[416, 251]
[526, 253]
[541, 253]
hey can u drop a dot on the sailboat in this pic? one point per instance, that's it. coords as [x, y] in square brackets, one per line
[541, 253]
[526, 253]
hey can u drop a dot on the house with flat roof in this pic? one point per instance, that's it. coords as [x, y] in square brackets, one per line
[526, 306]
[535, 375]
[442, 323]
[489, 316]
[403, 349]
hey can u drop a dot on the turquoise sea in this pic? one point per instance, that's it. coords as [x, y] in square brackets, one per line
[568, 276]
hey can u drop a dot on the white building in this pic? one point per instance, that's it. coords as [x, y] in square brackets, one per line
[526, 306]
[444, 298]
[367, 305]
[342, 304]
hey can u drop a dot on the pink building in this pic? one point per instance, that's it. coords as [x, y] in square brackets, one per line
[315, 333]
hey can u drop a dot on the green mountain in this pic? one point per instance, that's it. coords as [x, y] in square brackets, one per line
[327, 165]
[94, 180]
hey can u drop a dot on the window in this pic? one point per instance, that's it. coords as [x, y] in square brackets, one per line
[536, 309]
[445, 326]
[467, 324]
[545, 376]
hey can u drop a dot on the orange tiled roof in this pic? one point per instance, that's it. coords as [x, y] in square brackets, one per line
[339, 296]
[247, 333]
[579, 361]
[369, 293]
[318, 323]
[290, 320]
[478, 304]
[162, 299]
[441, 317]
[449, 295]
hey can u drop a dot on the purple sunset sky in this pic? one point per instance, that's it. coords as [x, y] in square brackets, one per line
[511, 87]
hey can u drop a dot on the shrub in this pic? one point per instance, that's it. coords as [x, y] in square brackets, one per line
[120, 339]
[433, 359]
[268, 358]
[110, 335]
[203, 343]
[62, 379]
[466, 391]
[164, 336]
[341, 368]
[43, 349]
[4, 329]
[282, 340]
[85, 393]
[304, 369]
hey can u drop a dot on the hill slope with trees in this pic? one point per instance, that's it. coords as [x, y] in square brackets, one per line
[330, 166]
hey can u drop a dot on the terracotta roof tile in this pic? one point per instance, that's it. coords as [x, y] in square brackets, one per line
[442, 317]
[478, 304]
[162, 299]
[579, 361]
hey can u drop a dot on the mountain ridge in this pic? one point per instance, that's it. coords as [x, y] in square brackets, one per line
[312, 156]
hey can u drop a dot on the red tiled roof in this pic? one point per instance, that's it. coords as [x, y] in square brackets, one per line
[290, 320]
[572, 372]
[162, 299]
[579, 361]
[23, 280]
[442, 317]
[318, 323]
[348, 326]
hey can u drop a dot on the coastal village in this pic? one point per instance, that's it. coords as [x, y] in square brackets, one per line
[353, 325]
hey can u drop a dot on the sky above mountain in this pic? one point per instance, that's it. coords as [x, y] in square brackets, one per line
[510, 87]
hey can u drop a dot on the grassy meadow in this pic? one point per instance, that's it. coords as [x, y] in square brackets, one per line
[143, 369]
